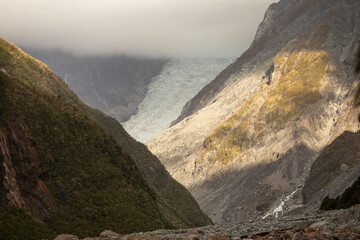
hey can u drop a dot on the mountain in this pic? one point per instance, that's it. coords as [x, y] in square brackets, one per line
[58, 165]
[72, 168]
[178, 82]
[115, 85]
[247, 145]
[180, 212]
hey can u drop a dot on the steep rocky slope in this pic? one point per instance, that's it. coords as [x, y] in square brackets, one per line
[179, 81]
[350, 197]
[63, 168]
[245, 144]
[116, 85]
[334, 169]
[283, 21]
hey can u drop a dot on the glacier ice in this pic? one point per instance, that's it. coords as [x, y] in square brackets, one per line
[179, 81]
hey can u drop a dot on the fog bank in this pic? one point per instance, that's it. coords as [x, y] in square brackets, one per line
[171, 28]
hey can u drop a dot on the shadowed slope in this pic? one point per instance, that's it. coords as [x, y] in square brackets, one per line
[175, 202]
[61, 167]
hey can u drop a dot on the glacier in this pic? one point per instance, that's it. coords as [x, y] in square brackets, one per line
[179, 81]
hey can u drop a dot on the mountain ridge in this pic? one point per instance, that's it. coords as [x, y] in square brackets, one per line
[267, 34]
[115, 85]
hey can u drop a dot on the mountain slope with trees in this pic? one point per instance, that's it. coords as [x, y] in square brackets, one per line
[62, 167]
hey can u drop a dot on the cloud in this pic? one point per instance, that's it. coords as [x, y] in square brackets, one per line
[192, 28]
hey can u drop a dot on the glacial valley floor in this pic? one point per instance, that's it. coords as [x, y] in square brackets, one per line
[339, 224]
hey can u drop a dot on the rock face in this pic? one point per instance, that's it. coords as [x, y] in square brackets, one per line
[334, 169]
[179, 81]
[283, 22]
[72, 167]
[245, 144]
[350, 197]
[115, 85]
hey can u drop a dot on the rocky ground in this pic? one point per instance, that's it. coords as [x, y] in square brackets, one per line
[341, 224]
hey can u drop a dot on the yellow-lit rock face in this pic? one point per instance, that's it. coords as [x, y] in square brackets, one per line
[295, 85]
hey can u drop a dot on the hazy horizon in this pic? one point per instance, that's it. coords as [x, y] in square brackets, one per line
[157, 28]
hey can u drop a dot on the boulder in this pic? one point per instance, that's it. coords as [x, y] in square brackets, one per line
[66, 237]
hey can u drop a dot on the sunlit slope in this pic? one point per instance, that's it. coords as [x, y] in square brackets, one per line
[247, 141]
[293, 85]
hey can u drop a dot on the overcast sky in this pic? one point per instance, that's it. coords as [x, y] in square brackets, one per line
[175, 28]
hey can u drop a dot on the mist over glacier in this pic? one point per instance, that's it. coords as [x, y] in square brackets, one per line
[180, 80]
[156, 28]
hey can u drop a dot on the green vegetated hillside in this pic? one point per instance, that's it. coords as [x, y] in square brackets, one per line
[65, 170]
[15, 224]
[175, 202]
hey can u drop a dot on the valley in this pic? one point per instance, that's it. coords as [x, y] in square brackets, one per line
[154, 146]
[343, 224]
